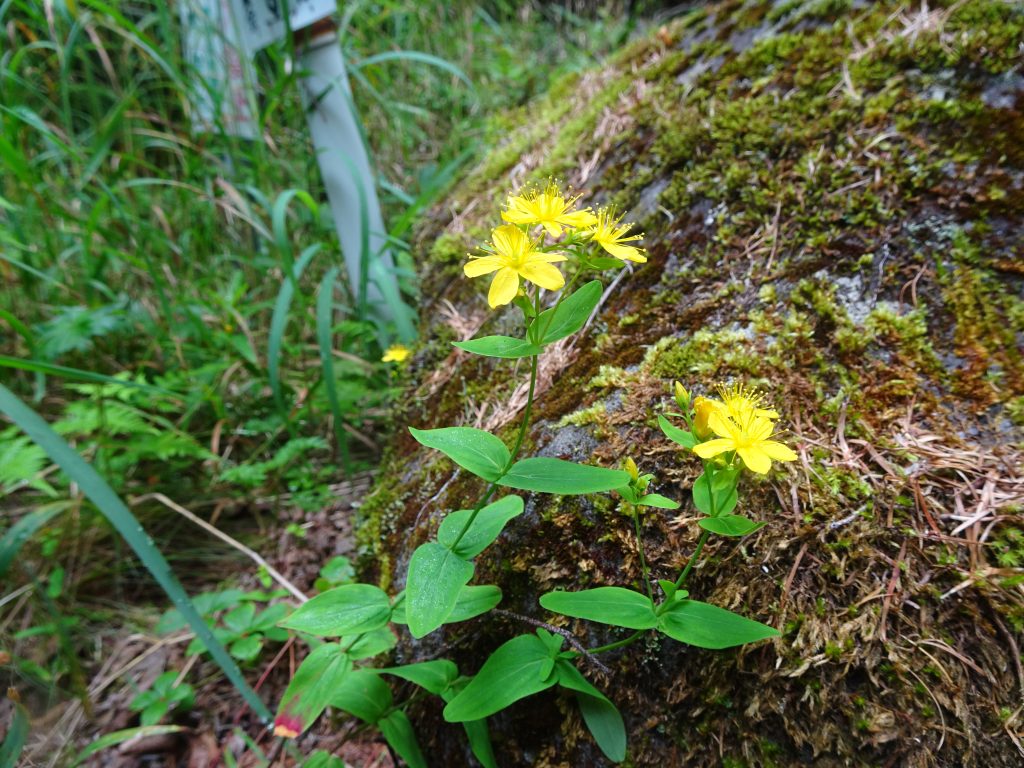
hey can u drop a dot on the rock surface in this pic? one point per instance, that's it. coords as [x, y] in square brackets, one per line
[832, 195]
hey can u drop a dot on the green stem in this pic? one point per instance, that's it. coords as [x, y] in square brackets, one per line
[618, 644]
[512, 457]
[640, 548]
[693, 559]
[565, 292]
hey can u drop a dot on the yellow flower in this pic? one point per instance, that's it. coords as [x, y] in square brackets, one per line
[514, 257]
[703, 407]
[612, 237]
[632, 469]
[396, 353]
[549, 208]
[739, 403]
[750, 439]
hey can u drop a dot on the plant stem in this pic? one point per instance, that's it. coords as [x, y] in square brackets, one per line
[526, 415]
[523, 425]
[693, 559]
[709, 473]
[618, 644]
[640, 548]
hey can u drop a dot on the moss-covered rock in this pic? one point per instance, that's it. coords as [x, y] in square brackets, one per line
[833, 205]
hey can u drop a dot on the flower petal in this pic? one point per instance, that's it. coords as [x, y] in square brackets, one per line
[503, 287]
[714, 447]
[552, 227]
[625, 252]
[509, 241]
[722, 425]
[547, 258]
[755, 459]
[482, 265]
[777, 450]
[578, 219]
[544, 275]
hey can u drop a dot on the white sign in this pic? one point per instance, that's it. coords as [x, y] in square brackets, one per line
[261, 22]
[221, 92]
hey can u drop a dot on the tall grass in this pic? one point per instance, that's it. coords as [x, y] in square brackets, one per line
[171, 301]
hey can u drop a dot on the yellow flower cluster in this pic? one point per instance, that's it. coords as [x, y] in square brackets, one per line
[512, 254]
[740, 424]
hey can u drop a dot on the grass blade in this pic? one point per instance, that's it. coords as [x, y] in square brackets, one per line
[279, 321]
[120, 737]
[417, 56]
[324, 317]
[14, 741]
[126, 524]
[14, 538]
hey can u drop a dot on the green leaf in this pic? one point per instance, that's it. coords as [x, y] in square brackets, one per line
[316, 681]
[16, 536]
[480, 742]
[338, 570]
[487, 526]
[247, 648]
[677, 435]
[480, 452]
[321, 759]
[657, 500]
[363, 694]
[730, 525]
[119, 737]
[601, 716]
[570, 315]
[476, 730]
[14, 741]
[128, 526]
[605, 605]
[605, 262]
[672, 592]
[398, 732]
[346, 610]
[500, 346]
[372, 643]
[511, 673]
[725, 492]
[436, 576]
[433, 676]
[708, 626]
[474, 601]
[563, 477]
[240, 619]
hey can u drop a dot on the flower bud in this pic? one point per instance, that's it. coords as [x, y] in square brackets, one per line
[702, 408]
[682, 396]
[631, 468]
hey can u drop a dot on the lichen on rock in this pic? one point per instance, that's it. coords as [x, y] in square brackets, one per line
[833, 205]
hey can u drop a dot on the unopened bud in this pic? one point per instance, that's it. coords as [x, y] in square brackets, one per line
[702, 408]
[682, 396]
[632, 469]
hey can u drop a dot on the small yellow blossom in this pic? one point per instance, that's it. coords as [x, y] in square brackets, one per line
[703, 407]
[610, 235]
[750, 439]
[396, 353]
[514, 257]
[549, 208]
[632, 469]
[739, 403]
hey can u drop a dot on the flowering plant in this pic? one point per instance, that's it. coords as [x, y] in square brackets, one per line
[544, 231]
